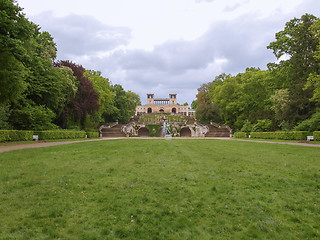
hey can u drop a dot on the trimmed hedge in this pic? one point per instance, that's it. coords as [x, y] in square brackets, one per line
[316, 136]
[292, 135]
[153, 130]
[15, 135]
[60, 134]
[93, 134]
[241, 135]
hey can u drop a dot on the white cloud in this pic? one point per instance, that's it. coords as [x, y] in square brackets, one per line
[165, 46]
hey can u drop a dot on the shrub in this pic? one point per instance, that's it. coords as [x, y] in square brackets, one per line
[60, 134]
[241, 135]
[153, 130]
[15, 135]
[312, 124]
[288, 135]
[247, 127]
[316, 136]
[93, 134]
[262, 126]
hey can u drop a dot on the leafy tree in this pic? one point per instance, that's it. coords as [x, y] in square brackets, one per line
[121, 103]
[85, 101]
[106, 96]
[28, 115]
[4, 116]
[299, 43]
[264, 125]
[194, 105]
[15, 32]
[134, 101]
[312, 124]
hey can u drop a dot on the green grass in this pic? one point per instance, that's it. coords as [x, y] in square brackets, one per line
[158, 189]
[280, 140]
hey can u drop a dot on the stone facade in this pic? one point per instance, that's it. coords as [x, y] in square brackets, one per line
[164, 105]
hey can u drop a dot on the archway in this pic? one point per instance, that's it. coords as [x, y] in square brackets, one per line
[149, 110]
[161, 110]
[174, 110]
[143, 132]
[185, 132]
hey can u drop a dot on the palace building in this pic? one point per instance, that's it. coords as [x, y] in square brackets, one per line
[164, 105]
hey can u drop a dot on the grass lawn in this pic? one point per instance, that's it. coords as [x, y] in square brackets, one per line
[158, 189]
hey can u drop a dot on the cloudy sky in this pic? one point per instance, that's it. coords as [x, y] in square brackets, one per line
[165, 46]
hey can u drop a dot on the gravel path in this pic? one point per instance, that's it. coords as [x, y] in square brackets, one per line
[48, 144]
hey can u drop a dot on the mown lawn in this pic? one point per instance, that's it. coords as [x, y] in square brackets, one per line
[158, 189]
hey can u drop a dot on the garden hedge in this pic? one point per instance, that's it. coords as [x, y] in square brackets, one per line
[288, 135]
[241, 135]
[153, 130]
[60, 134]
[316, 136]
[15, 135]
[93, 134]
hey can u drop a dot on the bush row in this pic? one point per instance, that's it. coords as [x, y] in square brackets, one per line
[15, 135]
[288, 135]
[316, 136]
[241, 135]
[60, 134]
[93, 134]
[21, 135]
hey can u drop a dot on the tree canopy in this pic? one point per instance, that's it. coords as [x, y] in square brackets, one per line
[38, 93]
[285, 95]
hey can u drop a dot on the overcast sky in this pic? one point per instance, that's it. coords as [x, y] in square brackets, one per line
[165, 46]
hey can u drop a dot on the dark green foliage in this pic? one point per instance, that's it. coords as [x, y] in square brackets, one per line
[15, 135]
[93, 134]
[15, 33]
[60, 134]
[264, 125]
[4, 116]
[247, 127]
[316, 135]
[43, 94]
[289, 135]
[241, 135]
[287, 93]
[29, 116]
[312, 124]
[154, 130]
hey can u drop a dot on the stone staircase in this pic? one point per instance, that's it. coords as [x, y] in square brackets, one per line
[215, 131]
[113, 132]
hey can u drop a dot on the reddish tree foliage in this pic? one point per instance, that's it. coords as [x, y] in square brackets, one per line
[86, 99]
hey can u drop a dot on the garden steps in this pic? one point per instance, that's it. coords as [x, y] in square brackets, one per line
[217, 131]
[114, 131]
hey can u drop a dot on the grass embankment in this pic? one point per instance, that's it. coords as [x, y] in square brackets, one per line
[157, 189]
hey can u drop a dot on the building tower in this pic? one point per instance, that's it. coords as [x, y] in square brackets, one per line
[150, 99]
[173, 99]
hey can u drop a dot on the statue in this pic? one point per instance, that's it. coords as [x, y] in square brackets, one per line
[166, 130]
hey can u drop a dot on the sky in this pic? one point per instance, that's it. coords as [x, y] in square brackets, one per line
[165, 46]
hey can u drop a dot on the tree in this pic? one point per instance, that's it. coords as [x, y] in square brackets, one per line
[194, 105]
[85, 101]
[134, 101]
[106, 95]
[15, 32]
[122, 113]
[299, 43]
